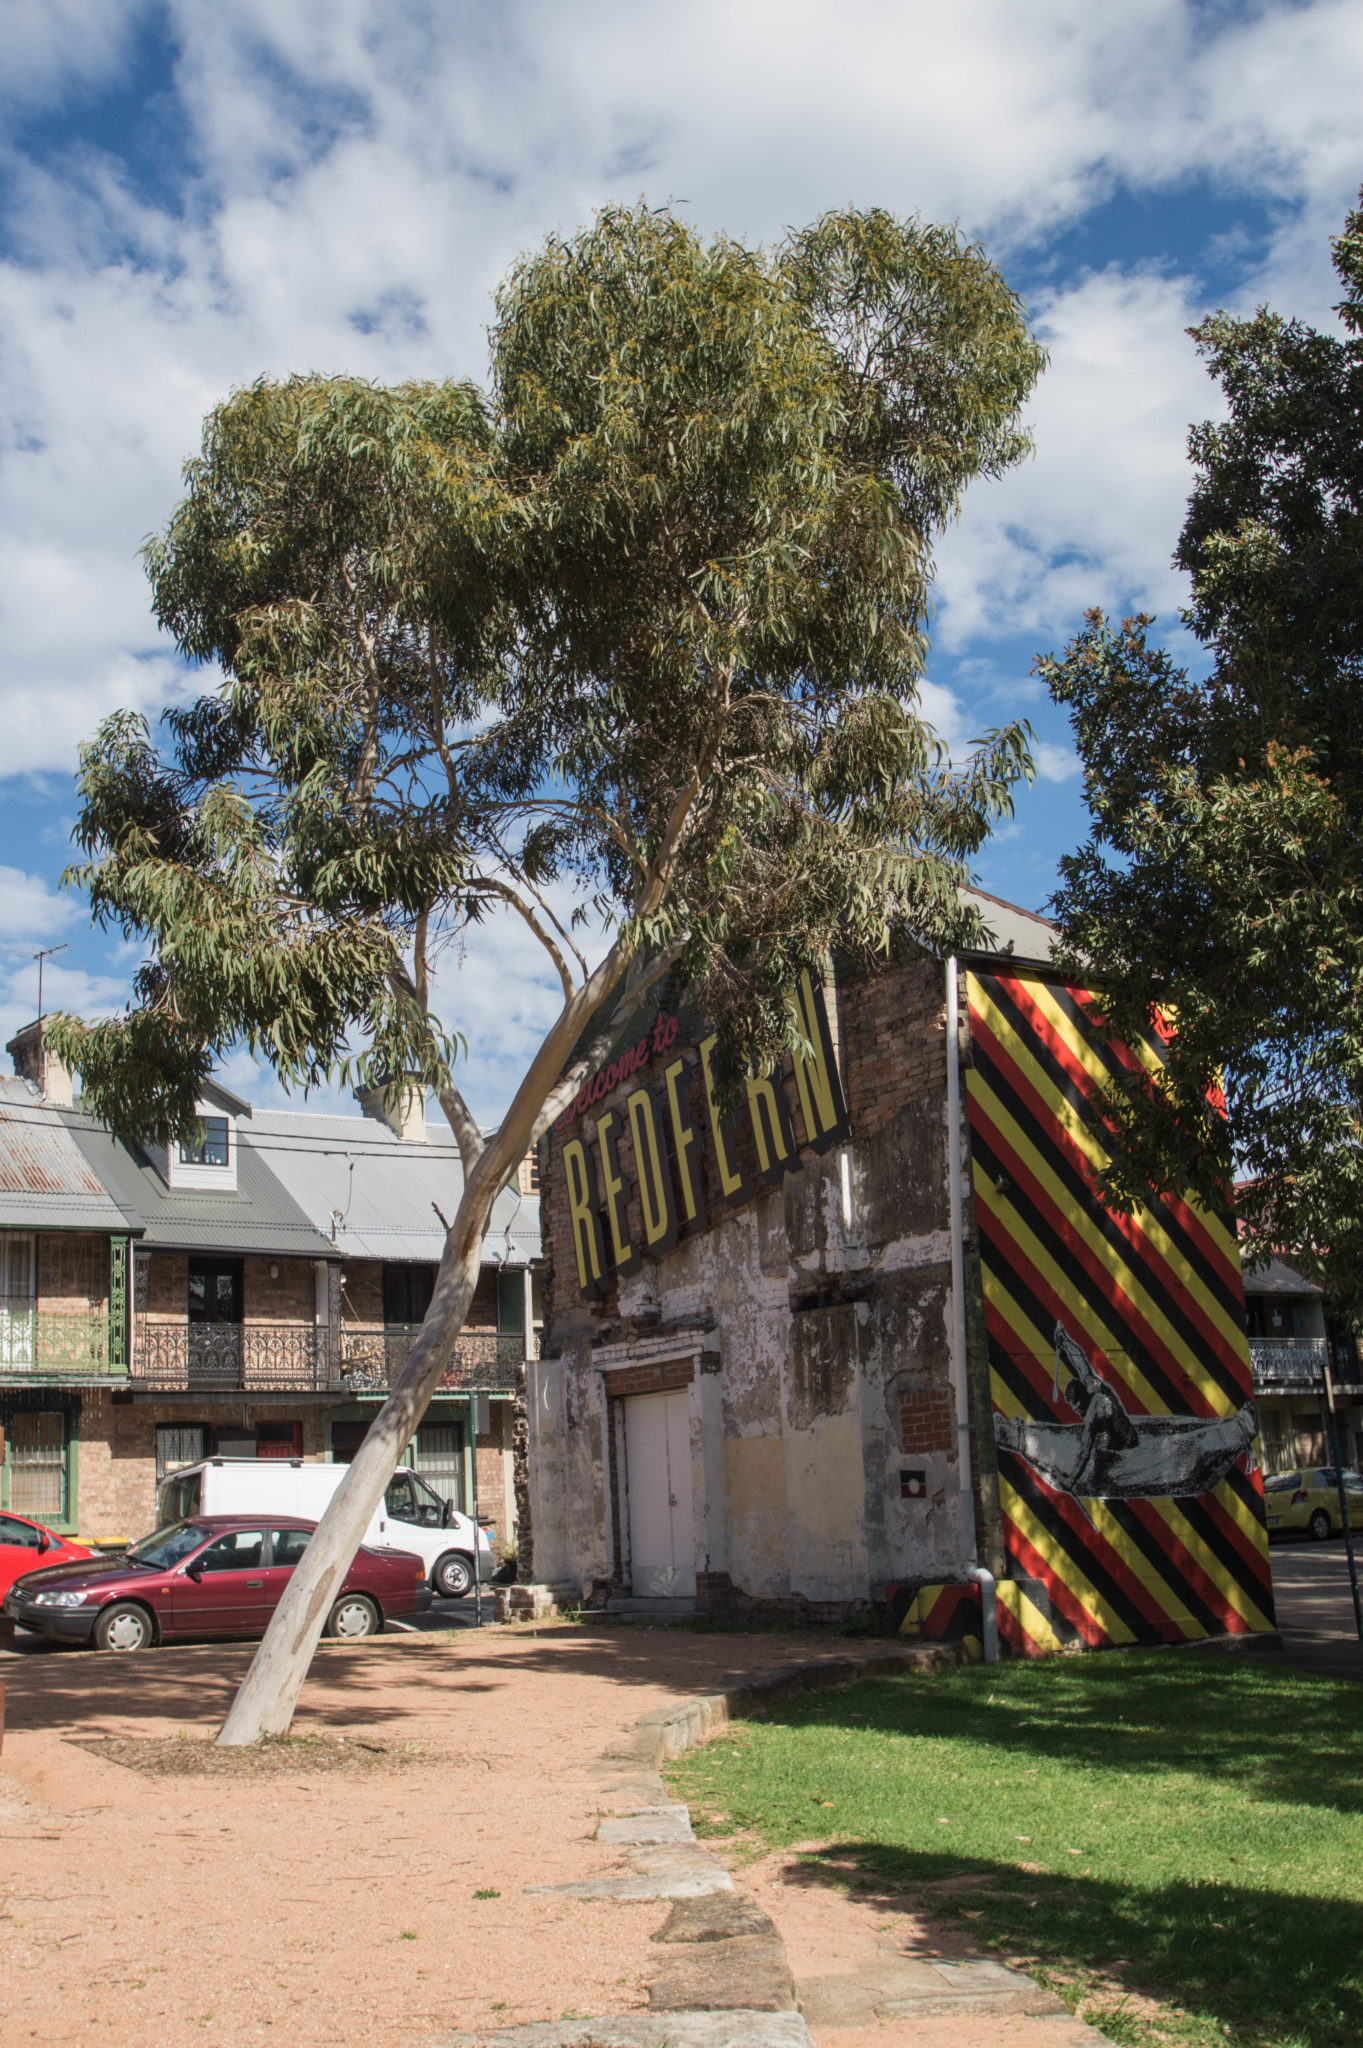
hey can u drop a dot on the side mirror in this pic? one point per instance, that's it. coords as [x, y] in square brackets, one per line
[195, 1571]
[446, 1513]
[43, 1543]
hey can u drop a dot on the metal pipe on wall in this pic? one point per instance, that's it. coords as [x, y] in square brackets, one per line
[960, 1381]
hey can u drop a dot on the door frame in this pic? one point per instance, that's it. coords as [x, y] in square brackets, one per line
[658, 1367]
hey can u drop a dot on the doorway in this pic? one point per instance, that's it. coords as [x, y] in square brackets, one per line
[215, 1346]
[662, 1542]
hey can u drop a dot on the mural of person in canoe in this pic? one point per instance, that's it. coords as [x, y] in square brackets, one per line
[1113, 1455]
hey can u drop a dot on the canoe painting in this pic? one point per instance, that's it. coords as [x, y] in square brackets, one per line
[1111, 1455]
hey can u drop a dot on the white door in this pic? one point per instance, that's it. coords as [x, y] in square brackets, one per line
[658, 1473]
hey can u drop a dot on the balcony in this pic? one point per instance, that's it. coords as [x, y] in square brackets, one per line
[43, 1344]
[244, 1358]
[1288, 1361]
[483, 1362]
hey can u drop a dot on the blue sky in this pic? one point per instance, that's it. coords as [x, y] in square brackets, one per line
[192, 195]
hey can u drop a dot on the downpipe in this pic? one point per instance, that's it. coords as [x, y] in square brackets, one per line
[989, 1609]
[973, 1573]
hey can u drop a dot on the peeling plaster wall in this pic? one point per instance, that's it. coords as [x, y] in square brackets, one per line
[818, 1339]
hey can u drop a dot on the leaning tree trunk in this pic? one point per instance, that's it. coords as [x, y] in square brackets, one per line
[269, 1693]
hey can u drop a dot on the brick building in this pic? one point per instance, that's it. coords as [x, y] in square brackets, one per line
[245, 1296]
[875, 1328]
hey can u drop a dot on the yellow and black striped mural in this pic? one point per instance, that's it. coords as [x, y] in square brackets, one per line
[1118, 1359]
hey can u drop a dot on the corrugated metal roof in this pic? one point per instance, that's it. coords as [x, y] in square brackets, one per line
[259, 1215]
[46, 1182]
[1275, 1277]
[386, 1207]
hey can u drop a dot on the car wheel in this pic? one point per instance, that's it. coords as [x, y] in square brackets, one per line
[353, 1616]
[1319, 1525]
[453, 1575]
[124, 1626]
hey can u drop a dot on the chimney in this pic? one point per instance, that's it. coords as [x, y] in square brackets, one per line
[32, 1062]
[399, 1104]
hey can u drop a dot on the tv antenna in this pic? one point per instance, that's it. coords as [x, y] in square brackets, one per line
[45, 953]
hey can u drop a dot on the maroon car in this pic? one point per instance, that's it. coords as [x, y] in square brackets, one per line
[214, 1575]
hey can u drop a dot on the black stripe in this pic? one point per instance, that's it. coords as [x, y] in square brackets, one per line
[1123, 1255]
[1212, 1619]
[1020, 1477]
[1228, 1556]
[1259, 1590]
[1215, 1278]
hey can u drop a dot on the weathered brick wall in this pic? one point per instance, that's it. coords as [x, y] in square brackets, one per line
[73, 1272]
[894, 1035]
[362, 1294]
[167, 1287]
[116, 1462]
[925, 1421]
[288, 1297]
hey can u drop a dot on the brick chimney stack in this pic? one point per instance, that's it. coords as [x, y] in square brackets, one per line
[33, 1062]
[399, 1104]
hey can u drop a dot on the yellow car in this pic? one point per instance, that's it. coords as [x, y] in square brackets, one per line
[1309, 1500]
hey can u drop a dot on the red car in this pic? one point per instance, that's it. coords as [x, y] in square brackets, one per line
[214, 1575]
[25, 1544]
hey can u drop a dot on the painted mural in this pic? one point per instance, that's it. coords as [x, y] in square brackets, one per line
[1118, 1359]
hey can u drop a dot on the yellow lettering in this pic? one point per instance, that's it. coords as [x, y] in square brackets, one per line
[683, 1143]
[623, 1255]
[656, 1203]
[771, 1126]
[586, 1224]
[732, 1185]
[816, 1075]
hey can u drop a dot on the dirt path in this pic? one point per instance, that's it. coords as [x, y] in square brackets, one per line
[332, 1907]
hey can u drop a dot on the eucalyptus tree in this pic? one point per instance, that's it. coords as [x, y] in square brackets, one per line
[1223, 872]
[626, 646]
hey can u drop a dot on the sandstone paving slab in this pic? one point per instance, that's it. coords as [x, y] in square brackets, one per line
[738, 2029]
[748, 1971]
[647, 1825]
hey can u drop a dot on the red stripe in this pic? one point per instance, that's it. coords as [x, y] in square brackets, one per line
[1212, 1594]
[1088, 1255]
[1062, 1597]
[1062, 1049]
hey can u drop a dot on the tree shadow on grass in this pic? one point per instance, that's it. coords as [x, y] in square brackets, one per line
[1282, 1735]
[1274, 1967]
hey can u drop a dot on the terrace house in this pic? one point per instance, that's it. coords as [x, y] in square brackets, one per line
[245, 1295]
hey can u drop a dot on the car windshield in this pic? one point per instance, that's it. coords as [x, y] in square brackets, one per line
[165, 1547]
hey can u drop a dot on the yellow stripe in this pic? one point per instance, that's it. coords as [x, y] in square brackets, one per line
[1229, 1588]
[1061, 1565]
[1082, 1313]
[1085, 1141]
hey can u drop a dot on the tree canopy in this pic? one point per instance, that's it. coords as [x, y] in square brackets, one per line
[626, 645]
[1223, 875]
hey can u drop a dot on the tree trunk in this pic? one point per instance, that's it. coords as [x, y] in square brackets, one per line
[265, 1703]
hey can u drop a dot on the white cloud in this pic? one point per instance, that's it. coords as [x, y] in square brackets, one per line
[355, 178]
[1093, 517]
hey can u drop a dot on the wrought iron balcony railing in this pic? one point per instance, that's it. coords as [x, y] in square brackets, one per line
[1288, 1361]
[483, 1361]
[234, 1357]
[300, 1357]
[51, 1343]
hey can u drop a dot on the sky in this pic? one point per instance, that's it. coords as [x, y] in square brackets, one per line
[193, 196]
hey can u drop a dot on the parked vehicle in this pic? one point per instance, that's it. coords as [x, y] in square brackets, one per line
[1297, 1501]
[24, 1544]
[213, 1575]
[412, 1515]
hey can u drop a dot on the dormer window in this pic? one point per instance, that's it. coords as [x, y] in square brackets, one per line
[211, 1147]
[206, 1161]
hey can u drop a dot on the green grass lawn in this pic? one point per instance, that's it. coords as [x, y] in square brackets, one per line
[1160, 1824]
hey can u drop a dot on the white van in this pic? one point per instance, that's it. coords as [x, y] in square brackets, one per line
[411, 1516]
